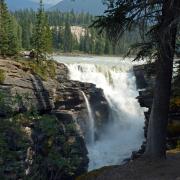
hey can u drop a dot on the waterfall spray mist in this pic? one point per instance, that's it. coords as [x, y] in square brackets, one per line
[124, 132]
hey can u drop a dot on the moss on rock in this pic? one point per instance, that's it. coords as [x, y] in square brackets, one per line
[46, 69]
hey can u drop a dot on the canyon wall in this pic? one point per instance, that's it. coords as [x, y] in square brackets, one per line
[44, 122]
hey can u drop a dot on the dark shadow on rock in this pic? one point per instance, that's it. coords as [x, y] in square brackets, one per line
[41, 94]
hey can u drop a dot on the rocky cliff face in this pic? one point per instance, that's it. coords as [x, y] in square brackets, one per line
[44, 122]
[145, 80]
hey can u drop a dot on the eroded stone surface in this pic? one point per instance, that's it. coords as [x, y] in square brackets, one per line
[57, 132]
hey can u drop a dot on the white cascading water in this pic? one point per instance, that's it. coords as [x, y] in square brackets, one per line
[124, 133]
[91, 120]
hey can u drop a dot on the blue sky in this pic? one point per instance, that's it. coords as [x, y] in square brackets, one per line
[48, 1]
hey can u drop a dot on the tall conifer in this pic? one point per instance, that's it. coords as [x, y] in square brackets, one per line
[42, 36]
[9, 32]
[68, 38]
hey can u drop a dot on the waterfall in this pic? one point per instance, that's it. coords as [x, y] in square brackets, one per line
[124, 133]
[91, 120]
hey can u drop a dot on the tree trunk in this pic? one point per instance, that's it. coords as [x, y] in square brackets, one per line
[166, 36]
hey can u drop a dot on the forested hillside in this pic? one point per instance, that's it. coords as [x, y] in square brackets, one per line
[66, 40]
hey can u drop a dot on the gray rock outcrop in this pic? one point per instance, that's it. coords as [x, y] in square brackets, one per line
[52, 117]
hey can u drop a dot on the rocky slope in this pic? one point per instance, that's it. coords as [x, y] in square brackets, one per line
[141, 169]
[44, 122]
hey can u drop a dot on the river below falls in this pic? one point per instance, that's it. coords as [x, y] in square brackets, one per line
[124, 133]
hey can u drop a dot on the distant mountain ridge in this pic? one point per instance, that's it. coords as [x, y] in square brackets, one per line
[23, 4]
[94, 7]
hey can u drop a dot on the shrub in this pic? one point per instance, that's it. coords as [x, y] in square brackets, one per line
[49, 125]
[45, 69]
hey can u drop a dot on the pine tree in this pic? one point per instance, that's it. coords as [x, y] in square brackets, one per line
[75, 44]
[107, 48]
[57, 20]
[68, 38]
[10, 42]
[92, 41]
[81, 44]
[26, 34]
[159, 44]
[4, 22]
[99, 47]
[14, 37]
[87, 42]
[42, 36]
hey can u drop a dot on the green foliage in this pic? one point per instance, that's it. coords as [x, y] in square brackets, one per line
[14, 37]
[99, 47]
[9, 105]
[4, 106]
[129, 18]
[45, 69]
[56, 20]
[42, 36]
[107, 48]
[56, 159]
[10, 33]
[48, 124]
[57, 156]
[64, 41]
[71, 128]
[4, 23]
[13, 145]
[59, 37]
[2, 76]
[61, 158]
[67, 39]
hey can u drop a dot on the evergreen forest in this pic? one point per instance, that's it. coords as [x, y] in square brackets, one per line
[88, 40]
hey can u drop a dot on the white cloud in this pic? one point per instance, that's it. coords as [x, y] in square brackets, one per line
[48, 1]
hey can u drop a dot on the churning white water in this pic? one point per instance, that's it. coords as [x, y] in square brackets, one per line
[91, 120]
[124, 133]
